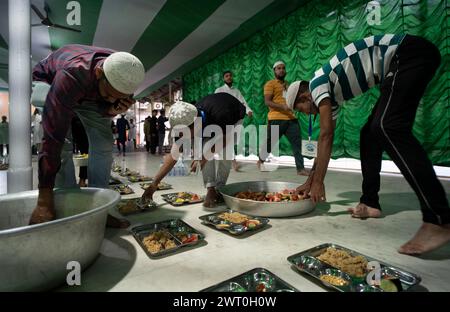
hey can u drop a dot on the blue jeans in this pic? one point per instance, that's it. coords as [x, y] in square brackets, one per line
[98, 131]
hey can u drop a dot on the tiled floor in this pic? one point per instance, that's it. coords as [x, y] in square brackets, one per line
[123, 265]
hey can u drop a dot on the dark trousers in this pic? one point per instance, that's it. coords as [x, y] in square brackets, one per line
[153, 142]
[291, 130]
[121, 142]
[161, 136]
[389, 129]
[1, 149]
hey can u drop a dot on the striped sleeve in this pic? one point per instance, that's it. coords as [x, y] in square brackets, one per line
[320, 87]
[268, 88]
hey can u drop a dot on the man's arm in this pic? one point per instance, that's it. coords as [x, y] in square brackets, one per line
[268, 100]
[325, 145]
[58, 112]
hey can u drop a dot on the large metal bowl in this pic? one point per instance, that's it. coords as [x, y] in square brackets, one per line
[264, 209]
[35, 257]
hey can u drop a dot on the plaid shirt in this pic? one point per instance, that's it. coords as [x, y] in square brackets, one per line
[70, 71]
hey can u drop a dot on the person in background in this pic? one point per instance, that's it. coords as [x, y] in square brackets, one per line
[153, 132]
[122, 126]
[4, 135]
[228, 88]
[147, 133]
[161, 128]
[220, 109]
[403, 66]
[82, 144]
[280, 115]
[96, 84]
[38, 132]
[132, 133]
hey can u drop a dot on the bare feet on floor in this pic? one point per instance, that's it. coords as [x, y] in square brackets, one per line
[259, 163]
[303, 172]
[236, 166]
[429, 237]
[362, 211]
[116, 223]
[211, 198]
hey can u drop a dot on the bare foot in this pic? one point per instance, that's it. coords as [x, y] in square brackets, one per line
[259, 163]
[211, 198]
[235, 165]
[362, 211]
[113, 222]
[303, 172]
[82, 183]
[428, 237]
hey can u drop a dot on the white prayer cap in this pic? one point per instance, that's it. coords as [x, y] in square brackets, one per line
[124, 72]
[291, 93]
[182, 114]
[278, 63]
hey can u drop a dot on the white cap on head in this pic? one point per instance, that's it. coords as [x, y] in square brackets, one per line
[124, 72]
[182, 114]
[291, 93]
[278, 63]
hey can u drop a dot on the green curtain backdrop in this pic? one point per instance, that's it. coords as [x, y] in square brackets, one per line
[308, 38]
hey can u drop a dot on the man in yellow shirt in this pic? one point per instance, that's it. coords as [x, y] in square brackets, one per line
[282, 116]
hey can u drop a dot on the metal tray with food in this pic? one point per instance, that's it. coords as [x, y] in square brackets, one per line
[131, 206]
[346, 270]
[161, 186]
[139, 178]
[162, 238]
[123, 189]
[129, 172]
[256, 280]
[234, 222]
[182, 198]
[114, 181]
[116, 168]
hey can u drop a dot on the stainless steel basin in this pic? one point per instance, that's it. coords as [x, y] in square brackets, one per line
[35, 257]
[264, 209]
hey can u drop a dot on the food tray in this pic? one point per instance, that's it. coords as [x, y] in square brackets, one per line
[161, 186]
[308, 263]
[174, 228]
[123, 189]
[129, 172]
[171, 199]
[234, 228]
[116, 168]
[256, 280]
[139, 178]
[133, 209]
[114, 181]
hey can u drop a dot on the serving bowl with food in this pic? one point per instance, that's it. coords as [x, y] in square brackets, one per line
[266, 199]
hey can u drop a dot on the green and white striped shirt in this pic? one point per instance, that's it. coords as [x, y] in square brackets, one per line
[354, 69]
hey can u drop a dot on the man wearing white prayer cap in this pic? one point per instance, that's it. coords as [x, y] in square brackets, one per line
[96, 84]
[220, 109]
[281, 116]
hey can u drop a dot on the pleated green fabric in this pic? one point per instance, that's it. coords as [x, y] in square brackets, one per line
[309, 37]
